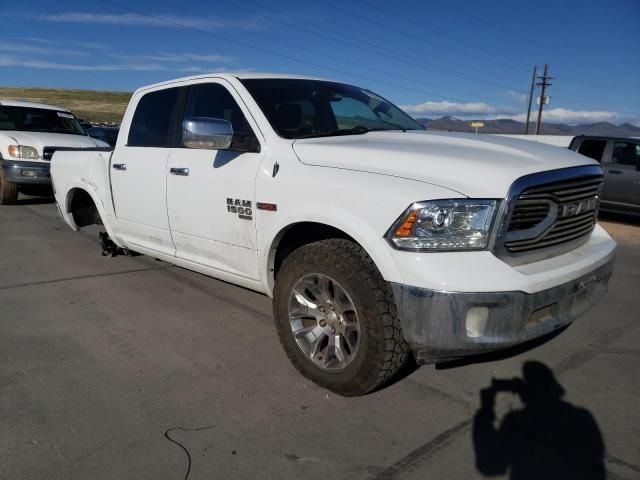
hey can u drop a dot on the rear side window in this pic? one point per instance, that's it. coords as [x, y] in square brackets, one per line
[151, 122]
[593, 148]
[626, 153]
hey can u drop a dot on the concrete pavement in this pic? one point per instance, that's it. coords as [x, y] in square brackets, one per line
[129, 368]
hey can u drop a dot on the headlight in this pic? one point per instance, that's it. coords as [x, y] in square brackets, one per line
[23, 151]
[457, 224]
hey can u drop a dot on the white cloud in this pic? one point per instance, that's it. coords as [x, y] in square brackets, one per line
[481, 110]
[12, 61]
[137, 19]
[573, 117]
[39, 40]
[173, 57]
[453, 108]
[37, 49]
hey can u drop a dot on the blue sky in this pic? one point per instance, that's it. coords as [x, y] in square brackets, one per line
[467, 59]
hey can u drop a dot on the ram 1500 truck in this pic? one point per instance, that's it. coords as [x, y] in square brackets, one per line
[375, 239]
[29, 134]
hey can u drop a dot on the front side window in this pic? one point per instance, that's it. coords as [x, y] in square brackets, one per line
[27, 119]
[151, 122]
[213, 100]
[626, 153]
[593, 149]
[299, 108]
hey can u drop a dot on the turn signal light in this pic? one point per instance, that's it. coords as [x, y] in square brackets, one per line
[406, 227]
[23, 151]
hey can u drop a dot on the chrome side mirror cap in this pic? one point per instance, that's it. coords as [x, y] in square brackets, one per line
[207, 133]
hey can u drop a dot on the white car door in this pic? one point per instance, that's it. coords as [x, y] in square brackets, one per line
[210, 193]
[138, 173]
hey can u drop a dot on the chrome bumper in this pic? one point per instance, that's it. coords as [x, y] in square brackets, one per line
[446, 325]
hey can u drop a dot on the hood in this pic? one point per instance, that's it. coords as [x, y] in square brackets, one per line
[473, 165]
[39, 140]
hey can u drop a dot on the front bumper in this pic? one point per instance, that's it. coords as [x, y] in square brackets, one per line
[444, 325]
[26, 173]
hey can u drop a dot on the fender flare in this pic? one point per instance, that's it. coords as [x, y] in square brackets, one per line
[68, 217]
[379, 254]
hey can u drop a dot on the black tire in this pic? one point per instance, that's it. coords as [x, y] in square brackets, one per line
[382, 349]
[8, 191]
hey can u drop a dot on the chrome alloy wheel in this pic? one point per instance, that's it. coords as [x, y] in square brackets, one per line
[324, 321]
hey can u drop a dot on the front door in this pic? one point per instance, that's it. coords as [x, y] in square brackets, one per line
[210, 193]
[138, 173]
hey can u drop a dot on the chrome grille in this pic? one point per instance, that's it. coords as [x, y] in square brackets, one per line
[47, 153]
[528, 214]
[553, 214]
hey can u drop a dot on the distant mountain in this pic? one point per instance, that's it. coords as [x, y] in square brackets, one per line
[504, 125]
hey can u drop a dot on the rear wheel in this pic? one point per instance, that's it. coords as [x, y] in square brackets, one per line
[336, 318]
[8, 191]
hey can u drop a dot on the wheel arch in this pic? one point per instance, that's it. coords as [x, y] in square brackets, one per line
[82, 208]
[300, 233]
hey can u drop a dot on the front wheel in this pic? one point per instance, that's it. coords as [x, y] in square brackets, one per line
[8, 191]
[336, 318]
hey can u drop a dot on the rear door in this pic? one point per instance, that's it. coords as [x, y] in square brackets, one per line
[623, 174]
[138, 172]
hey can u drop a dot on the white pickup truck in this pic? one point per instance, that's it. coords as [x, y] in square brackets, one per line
[375, 239]
[29, 134]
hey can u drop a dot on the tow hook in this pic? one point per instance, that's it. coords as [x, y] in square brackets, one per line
[110, 248]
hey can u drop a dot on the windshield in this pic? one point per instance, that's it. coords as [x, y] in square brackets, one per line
[27, 119]
[313, 108]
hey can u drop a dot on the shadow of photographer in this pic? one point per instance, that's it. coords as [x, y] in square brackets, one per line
[548, 438]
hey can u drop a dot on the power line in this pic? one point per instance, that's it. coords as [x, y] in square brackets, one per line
[380, 24]
[278, 54]
[416, 37]
[491, 54]
[501, 28]
[553, 46]
[261, 49]
[366, 46]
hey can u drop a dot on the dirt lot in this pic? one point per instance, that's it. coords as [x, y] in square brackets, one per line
[129, 368]
[624, 233]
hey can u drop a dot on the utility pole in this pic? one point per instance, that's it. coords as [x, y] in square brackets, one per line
[533, 84]
[544, 84]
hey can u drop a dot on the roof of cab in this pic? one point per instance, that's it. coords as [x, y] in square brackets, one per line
[237, 75]
[26, 103]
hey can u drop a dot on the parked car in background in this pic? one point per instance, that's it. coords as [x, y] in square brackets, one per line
[29, 134]
[620, 160]
[106, 134]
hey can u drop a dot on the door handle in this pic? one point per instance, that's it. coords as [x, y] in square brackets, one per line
[183, 172]
[615, 172]
[119, 166]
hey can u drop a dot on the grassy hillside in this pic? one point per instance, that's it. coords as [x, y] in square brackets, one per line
[90, 105]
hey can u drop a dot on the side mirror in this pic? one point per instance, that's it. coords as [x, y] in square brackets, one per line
[207, 133]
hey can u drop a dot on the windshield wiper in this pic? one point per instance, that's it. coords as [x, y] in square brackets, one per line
[357, 130]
